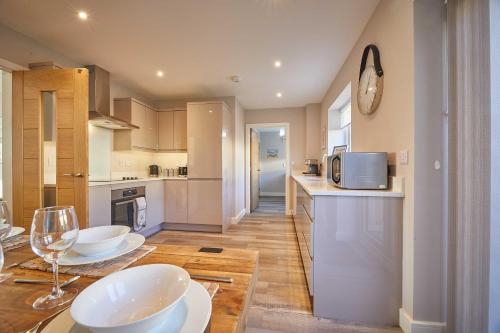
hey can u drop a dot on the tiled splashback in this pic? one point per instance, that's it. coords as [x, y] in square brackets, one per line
[106, 163]
[136, 163]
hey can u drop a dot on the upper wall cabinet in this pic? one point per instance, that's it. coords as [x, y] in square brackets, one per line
[172, 130]
[140, 114]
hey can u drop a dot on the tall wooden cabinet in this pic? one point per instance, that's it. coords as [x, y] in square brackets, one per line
[209, 164]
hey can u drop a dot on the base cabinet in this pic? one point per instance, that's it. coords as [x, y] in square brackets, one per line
[205, 201]
[99, 206]
[154, 199]
[176, 201]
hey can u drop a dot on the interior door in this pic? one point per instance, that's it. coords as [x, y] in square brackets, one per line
[50, 142]
[254, 169]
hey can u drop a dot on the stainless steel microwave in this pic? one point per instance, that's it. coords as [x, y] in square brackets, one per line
[358, 171]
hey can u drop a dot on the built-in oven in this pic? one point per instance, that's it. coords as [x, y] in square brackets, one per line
[127, 207]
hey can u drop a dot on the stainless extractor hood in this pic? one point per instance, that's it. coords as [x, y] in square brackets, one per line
[99, 101]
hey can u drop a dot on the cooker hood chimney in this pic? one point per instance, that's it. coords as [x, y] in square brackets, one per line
[99, 101]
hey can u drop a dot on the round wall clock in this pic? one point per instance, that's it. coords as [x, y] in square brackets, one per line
[371, 82]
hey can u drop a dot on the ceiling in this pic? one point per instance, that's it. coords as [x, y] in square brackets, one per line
[200, 44]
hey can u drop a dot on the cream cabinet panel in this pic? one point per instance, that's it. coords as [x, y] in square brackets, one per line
[176, 201]
[204, 130]
[166, 130]
[137, 113]
[180, 130]
[205, 202]
[138, 117]
[154, 201]
[151, 129]
[99, 206]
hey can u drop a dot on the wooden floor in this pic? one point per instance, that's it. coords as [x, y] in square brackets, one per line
[281, 300]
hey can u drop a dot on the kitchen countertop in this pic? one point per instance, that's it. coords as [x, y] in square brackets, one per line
[147, 179]
[229, 305]
[315, 185]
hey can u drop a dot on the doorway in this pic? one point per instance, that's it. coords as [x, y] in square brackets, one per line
[267, 167]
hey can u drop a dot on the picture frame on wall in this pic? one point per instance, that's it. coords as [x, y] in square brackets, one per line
[339, 149]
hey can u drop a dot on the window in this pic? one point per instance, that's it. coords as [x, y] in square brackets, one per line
[339, 121]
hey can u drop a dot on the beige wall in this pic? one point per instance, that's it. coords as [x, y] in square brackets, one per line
[313, 127]
[391, 127]
[239, 158]
[296, 117]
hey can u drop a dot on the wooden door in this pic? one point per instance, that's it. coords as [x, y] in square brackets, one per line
[254, 169]
[69, 88]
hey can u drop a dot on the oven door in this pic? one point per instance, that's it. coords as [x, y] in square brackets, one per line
[123, 213]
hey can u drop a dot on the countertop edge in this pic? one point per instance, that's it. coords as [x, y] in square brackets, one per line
[115, 182]
[330, 190]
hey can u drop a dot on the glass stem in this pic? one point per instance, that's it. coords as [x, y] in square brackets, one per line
[56, 289]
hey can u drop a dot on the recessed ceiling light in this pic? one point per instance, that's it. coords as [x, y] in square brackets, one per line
[279, 95]
[159, 74]
[277, 64]
[83, 15]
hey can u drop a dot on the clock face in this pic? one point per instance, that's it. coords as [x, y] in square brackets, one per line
[369, 90]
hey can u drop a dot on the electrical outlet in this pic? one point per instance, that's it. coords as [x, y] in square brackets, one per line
[403, 157]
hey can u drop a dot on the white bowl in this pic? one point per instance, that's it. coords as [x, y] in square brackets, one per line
[93, 241]
[132, 300]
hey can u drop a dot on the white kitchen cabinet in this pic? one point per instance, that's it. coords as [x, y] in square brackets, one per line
[176, 201]
[155, 203]
[205, 202]
[166, 130]
[99, 205]
[139, 114]
[180, 129]
[172, 130]
[204, 130]
[151, 127]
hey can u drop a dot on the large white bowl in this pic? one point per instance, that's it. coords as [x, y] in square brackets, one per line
[132, 300]
[93, 241]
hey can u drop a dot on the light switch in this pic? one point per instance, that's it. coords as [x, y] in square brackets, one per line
[403, 157]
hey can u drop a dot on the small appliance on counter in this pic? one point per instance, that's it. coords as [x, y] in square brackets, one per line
[154, 170]
[358, 171]
[183, 171]
[312, 167]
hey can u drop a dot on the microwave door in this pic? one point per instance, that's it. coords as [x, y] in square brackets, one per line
[336, 169]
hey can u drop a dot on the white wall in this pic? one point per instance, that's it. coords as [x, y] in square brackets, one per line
[313, 127]
[272, 170]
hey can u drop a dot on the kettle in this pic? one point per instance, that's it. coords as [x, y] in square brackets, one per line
[154, 170]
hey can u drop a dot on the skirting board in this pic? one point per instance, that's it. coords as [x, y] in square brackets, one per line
[192, 227]
[237, 218]
[272, 194]
[416, 326]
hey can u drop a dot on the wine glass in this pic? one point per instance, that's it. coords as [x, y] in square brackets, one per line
[53, 232]
[5, 227]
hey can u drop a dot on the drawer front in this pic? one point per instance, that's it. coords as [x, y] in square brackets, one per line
[308, 203]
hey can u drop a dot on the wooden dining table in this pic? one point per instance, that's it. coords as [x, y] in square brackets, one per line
[229, 305]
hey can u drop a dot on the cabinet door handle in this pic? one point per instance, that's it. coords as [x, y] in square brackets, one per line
[78, 174]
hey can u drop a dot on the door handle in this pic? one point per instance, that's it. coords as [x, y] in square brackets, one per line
[78, 174]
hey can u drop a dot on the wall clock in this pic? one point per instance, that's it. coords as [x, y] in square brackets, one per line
[371, 82]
